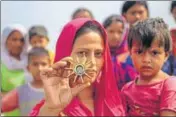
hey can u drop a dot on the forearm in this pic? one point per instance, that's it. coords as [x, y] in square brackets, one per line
[168, 113]
[45, 111]
[9, 102]
[3, 94]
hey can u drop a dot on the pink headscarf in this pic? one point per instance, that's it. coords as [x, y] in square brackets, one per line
[107, 97]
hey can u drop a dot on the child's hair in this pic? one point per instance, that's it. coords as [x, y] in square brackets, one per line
[109, 20]
[39, 30]
[80, 10]
[173, 5]
[87, 27]
[149, 30]
[128, 4]
[37, 51]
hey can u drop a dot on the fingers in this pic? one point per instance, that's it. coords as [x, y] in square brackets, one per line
[49, 77]
[59, 64]
[62, 63]
[44, 72]
[79, 88]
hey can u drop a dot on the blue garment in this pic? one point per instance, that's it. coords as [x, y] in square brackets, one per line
[123, 72]
[129, 61]
[170, 65]
[28, 98]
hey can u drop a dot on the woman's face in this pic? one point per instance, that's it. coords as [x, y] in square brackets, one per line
[114, 32]
[136, 13]
[15, 43]
[90, 46]
[174, 13]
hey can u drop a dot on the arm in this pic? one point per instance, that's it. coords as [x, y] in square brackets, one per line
[167, 113]
[45, 111]
[41, 109]
[3, 94]
[9, 101]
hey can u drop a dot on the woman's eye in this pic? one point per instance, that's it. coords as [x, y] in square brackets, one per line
[81, 54]
[99, 54]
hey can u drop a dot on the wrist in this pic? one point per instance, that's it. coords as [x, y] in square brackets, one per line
[47, 111]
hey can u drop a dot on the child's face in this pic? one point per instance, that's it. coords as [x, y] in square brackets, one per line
[149, 62]
[115, 31]
[136, 13]
[83, 14]
[36, 64]
[38, 41]
[15, 43]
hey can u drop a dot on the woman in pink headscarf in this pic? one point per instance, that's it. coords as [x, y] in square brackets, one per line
[95, 96]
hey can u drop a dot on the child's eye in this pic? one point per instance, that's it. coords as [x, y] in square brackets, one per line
[111, 31]
[35, 64]
[155, 53]
[14, 39]
[44, 64]
[139, 51]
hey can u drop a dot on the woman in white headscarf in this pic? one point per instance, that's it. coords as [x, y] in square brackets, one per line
[14, 47]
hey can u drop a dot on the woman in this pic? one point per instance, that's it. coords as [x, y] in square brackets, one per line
[134, 11]
[98, 95]
[13, 58]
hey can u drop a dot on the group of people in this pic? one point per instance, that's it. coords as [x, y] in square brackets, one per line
[128, 64]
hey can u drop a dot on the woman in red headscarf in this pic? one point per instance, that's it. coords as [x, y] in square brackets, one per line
[96, 95]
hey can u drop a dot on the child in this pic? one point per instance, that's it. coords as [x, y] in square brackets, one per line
[153, 93]
[82, 13]
[38, 37]
[117, 31]
[26, 96]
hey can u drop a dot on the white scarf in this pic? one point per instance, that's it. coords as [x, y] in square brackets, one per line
[9, 61]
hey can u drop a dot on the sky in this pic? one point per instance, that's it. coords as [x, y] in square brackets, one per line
[55, 14]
